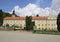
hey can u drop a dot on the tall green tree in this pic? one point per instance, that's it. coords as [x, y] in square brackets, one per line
[33, 23]
[58, 22]
[26, 22]
[1, 17]
[29, 23]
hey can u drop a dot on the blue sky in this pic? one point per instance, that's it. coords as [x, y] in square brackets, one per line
[8, 5]
[45, 3]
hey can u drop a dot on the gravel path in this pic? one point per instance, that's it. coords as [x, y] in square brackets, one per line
[11, 36]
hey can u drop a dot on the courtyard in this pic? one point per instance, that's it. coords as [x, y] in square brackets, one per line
[24, 36]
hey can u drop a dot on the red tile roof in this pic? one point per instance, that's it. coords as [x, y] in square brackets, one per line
[23, 18]
[14, 18]
[40, 17]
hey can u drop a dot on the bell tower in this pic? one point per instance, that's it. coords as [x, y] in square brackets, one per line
[13, 14]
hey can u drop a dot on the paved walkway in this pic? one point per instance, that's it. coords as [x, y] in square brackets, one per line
[11, 36]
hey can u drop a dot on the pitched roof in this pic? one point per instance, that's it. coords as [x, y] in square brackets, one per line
[14, 18]
[40, 17]
[23, 18]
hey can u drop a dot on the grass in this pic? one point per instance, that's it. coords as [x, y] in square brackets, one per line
[46, 32]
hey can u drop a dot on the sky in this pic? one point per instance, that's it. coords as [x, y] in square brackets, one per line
[31, 7]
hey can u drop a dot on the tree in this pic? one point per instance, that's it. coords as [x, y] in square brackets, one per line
[58, 22]
[26, 23]
[7, 26]
[1, 17]
[33, 23]
[5, 14]
[29, 23]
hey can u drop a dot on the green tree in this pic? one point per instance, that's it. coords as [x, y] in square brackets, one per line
[58, 22]
[33, 23]
[5, 14]
[7, 26]
[26, 22]
[29, 23]
[1, 17]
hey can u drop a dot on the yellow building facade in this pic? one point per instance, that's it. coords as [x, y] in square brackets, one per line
[47, 22]
[41, 22]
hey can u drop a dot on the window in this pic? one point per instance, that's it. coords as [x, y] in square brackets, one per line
[42, 24]
[54, 24]
[39, 24]
[46, 24]
[39, 28]
[20, 24]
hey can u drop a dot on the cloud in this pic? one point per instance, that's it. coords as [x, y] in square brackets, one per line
[31, 9]
[34, 9]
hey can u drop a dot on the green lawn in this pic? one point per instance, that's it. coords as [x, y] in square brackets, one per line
[46, 32]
